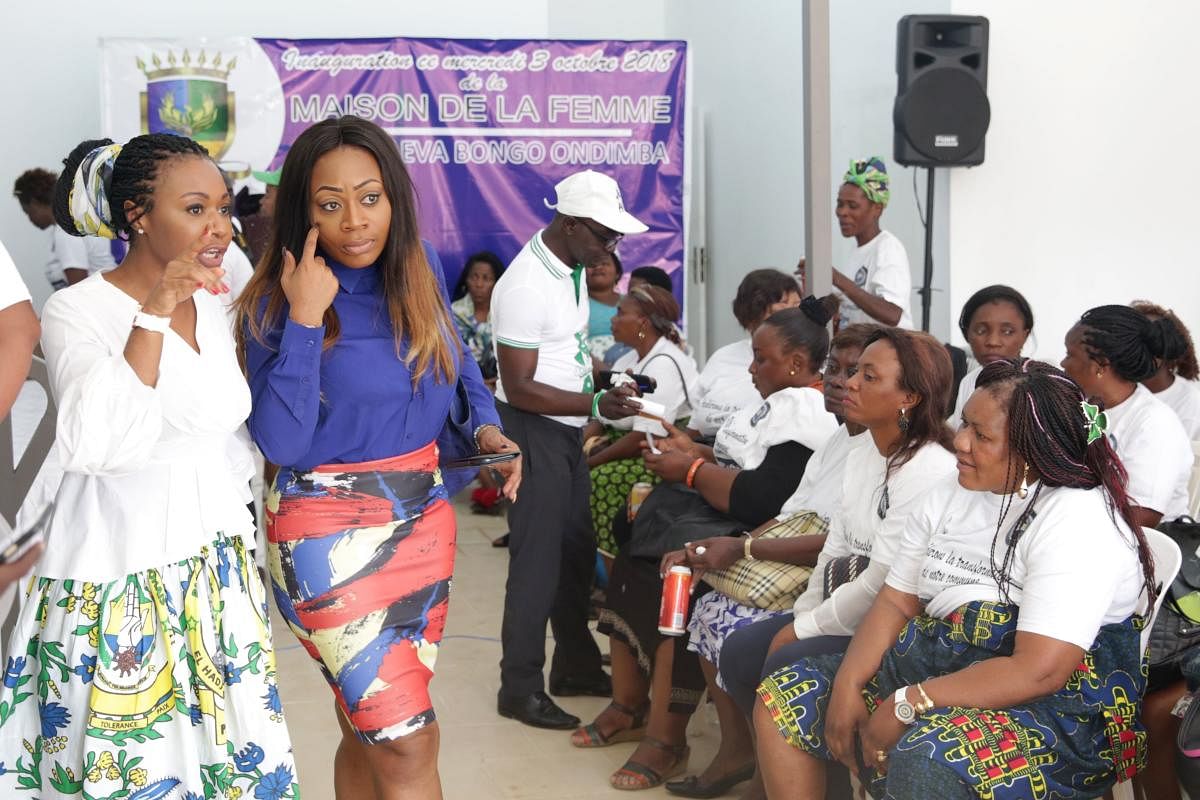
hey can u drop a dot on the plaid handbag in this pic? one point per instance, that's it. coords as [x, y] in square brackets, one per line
[769, 585]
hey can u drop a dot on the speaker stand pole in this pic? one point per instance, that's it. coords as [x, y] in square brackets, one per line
[927, 289]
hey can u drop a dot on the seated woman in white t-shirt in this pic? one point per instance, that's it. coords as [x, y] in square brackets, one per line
[738, 484]
[724, 386]
[645, 323]
[1002, 659]
[1109, 351]
[875, 282]
[1175, 381]
[996, 321]
[795, 538]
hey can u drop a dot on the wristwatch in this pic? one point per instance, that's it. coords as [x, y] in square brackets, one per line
[151, 322]
[905, 711]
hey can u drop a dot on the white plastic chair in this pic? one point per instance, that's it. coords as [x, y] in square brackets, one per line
[1167, 561]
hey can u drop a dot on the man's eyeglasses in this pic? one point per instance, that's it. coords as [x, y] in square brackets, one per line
[608, 240]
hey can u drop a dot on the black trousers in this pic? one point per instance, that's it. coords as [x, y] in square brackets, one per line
[552, 558]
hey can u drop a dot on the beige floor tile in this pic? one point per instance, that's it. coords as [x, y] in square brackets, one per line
[483, 756]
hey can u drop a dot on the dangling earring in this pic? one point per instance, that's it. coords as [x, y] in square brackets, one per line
[1023, 489]
[903, 423]
[641, 334]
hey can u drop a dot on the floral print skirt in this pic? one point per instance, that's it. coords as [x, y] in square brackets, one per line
[158, 684]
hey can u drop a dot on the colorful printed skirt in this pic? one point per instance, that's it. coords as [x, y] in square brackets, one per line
[158, 684]
[361, 557]
[1074, 743]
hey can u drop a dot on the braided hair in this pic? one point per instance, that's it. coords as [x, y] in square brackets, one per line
[132, 180]
[660, 308]
[1048, 432]
[1129, 341]
[1184, 366]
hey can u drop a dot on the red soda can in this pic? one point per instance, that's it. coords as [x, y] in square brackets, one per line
[672, 614]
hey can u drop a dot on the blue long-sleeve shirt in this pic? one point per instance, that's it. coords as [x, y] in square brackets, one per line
[355, 402]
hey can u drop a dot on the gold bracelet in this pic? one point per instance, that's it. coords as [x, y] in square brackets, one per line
[746, 548]
[926, 704]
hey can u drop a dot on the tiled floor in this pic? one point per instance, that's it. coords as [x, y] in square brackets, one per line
[483, 756]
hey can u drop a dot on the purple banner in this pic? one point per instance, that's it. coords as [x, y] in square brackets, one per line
[488, 127]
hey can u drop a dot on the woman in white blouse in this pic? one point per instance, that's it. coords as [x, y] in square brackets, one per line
[147, 664]
[1002, 659]
[645, 323]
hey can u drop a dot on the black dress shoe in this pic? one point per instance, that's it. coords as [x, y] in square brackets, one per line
[599, 686]
[537, 710]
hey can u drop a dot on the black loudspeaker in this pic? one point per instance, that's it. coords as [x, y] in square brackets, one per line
[942, 111]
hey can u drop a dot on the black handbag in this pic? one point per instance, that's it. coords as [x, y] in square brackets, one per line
[672, 515]
[1176, 631]
[842, 569]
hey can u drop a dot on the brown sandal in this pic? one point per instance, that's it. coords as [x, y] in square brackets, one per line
[647, 778]
[590, 735]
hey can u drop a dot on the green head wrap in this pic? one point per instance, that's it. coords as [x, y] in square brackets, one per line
[870, 176]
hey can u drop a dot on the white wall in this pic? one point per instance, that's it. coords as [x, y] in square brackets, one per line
[1087, 192]
[747, 77]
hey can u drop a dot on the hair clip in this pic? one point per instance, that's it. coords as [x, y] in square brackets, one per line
[1097, 422]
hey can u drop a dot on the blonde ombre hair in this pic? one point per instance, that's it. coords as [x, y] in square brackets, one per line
[415, 304]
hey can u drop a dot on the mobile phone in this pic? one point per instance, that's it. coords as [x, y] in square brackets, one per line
[478, 461]
[644, 383]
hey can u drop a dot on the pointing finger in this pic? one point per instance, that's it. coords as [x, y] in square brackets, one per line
[310, 244]
[289, 263]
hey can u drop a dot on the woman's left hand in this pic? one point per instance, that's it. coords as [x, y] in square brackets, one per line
[880, 734]
[492, 440]
[717, 552]
[671, 465]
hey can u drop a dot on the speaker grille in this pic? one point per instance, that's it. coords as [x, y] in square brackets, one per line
[944, 114]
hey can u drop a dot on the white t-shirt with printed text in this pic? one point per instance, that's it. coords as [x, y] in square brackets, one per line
[871, 522]
[789, 415]
[1072, 570]
[724, 387]
[880, 267]
[820, 488]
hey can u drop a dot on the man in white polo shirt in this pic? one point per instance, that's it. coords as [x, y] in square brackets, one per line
[545, 395]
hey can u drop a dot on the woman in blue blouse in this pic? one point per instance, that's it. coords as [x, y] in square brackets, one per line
[353, 361]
